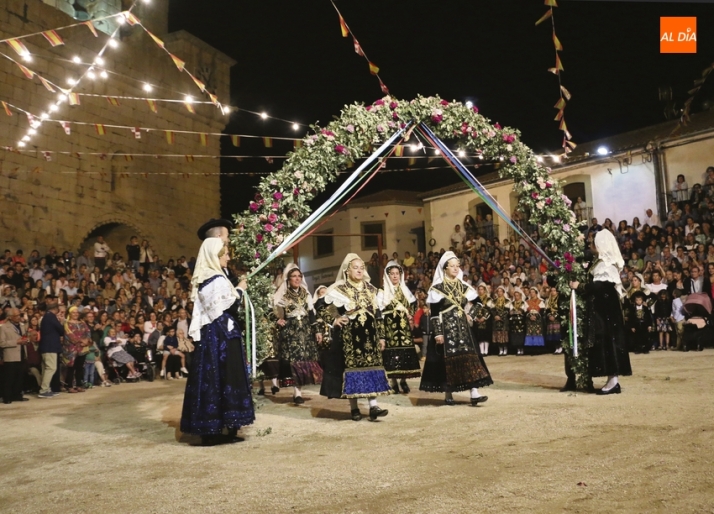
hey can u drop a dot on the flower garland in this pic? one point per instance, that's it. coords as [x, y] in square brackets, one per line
[282, 199]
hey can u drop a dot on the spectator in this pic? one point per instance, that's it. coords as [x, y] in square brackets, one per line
[457, 237]
[680, 191]
[101, 251]
[13, 338]
[51, 336]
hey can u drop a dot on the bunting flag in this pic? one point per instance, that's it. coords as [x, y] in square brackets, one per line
[170, 137]
[128, 157]
[268, 142]
[558, 63]
[90, 26]
[34, 122]
[152, 106]
[269, 160]
[137, 132]
[419, 209]
[203, 138]
[373, 69]
[412, 161]
[551, 3]
[47, 84]
[189, 158]
[343, 27]
[547, 15]
[178, 62]
[131, 19]
[28, 72]
[358, 48]
[53, 38]
[560, 104]
[559, 116]
[566, 93]
[383, 87]
[189, 107]
[236, 141]
[297, 143]
[77, 155]
[47, 156]
[7, 109]
[100, 129]
[18, 46]
[556, 42]
[156, 39]
[386, 214]
[399, 151]
[113, 100]
[66, 127]
[200, 84]
[214, 98]
[73, 98]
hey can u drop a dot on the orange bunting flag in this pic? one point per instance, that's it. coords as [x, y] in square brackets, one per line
[53, 38]
[28, 72]
[178, 62]
[189, 158]
[297, 143]
[553, 71]
[358, 47]
[152, 106]
[200, 84]
[268, 142]
[18, 46]
[373, 69]
[128, 157]
[100, 129]
[214, 98]
[236, 141]
[386, 214]
[551, 3]
[90, 26]
[170, 137]
[343, 27]
[137, 132]
[558, 63]
[156, 39]
[383, 87]
[547, 15]
[563, 126]
[556, 42]
[73, 98]
[113, 100]
[399, 150]
[7, 108]
[566, 93]
[47, 84]
[131, 19]
[559, 116]
[571, 144]
[66, 127]
[560, 104]
[189, 107]
[203, 138]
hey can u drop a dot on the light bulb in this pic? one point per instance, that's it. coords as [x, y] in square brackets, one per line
[53, 107]
[147, 88]
[26, 138]
[226, 109]
[264, 115]
[469, 104]
[99, 61]
[76, 59]
[27, 57]
[71, 81]
[188, 99]
[437, 152]
[44, 115]
[20, 144]
[91, 75]
[32, 132]
[104, 74]
[462, 153]
[113, 43]
[61, 98]
[539, 158]
[296, 126]
[121, 20]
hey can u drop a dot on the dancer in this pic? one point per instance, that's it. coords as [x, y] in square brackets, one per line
[398, 304]
[482, 319]
[453, 362]
[218, 390]
[552, 316]
[325, 319]
[270, 367]
[534, 319]
[296, 319]
[353, 364]
[500, 307]
[517, 321]
[604, 325]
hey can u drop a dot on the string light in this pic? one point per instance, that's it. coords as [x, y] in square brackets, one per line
[27, 57]
[44, 115]
[104, 74]
[113, 43]
[437, 152]
[91, 75]
[20, 144]
[462, 153]
[26, 138]
[264, 115]
[53, 107]
[539, 158]
[296, 126]
[32, 132]
[71, 81]
[147, 87]
[188, 99]
[76, 59]
[99, 61]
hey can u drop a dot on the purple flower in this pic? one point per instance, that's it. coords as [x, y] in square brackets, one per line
[437, 118]
[566, 227]
[569, 257]
[341, 150]
[402, 125]
[296, 191]
[379, 102]
[257, 255]
[534, 195]
[568, 266]
[444, 102]
[272, 217]
[548, 201]
[268, 227]
[393, 105]
[278, 195]
[350, 128]
[254, 207]
[475, 109]
[497, 126]
[259, 238]
[395, 116]
[557, 263]
[513, 159]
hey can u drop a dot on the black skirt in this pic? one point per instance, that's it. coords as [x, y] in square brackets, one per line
[605, 332]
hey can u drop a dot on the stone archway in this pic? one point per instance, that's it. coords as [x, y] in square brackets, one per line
[116, 232]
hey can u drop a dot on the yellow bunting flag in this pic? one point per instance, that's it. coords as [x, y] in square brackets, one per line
[566, 93]
[129, 157]
[560, 104]
[189, 158]
[558, 63]
[113, 100]
[47, 84]
[399, 151]
[214, 98]
[152, 106]
[73, 98]
[170, 137]
[178, 62]
[90, 26]
[553, 71]
[18, 46]
[559, 116]
[203, 138]
[547, 15]
[189, 107]
[200, 84]
[563, 126]
[100, 129]
[28, 72]
[412, 161]
[236, 141]
[131, 19]
[373, 69]
[7, 108]
[571, 144]
[343, 27]
[268, 142]
[297, 143]
[156, 39]
[551, 3]
[556, 42]
[53, 38]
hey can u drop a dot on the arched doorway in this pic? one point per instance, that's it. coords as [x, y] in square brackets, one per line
[115, 234]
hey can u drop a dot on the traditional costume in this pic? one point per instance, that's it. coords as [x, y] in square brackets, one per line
[517, 321]
[398, 305]
[552, 316]
[640, 324]
[481, 314]
[325, 318]
[500, 308]
[454, 364]
[534, 321]
[353, 364]
[298, 350]
[270, 367]
[218, 392]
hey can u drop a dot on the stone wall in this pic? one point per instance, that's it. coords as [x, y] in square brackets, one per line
[58, 203]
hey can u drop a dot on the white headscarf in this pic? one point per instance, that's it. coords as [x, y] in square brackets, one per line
[280, 293]
[610, 261]
[386, 295]
[439, 276]
[333, 295]
[216, 297]
[316, 294]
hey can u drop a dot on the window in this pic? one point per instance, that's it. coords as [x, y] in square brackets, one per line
[323, 245]
[370, 242]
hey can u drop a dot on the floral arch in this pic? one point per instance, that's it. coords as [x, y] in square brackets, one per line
[282, 199]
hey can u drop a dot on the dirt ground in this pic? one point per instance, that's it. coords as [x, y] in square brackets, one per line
[528, 449]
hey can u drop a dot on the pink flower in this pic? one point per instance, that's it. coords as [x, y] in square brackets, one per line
[475, 109]
[444, 102]
[350, 128]
[567, 200]
[548, 201]
[534, 195]
[263, 217]
[402, 125]
[557, 263]
[566, 227]
[279, 226]
[558, 221]
[257, 255]
[270, 246]
[395, 116]
[569, 257]
[296, 191]
[379, 102]
[275, 205]
[278, 195]
[259, 238]
[254, 207]
[548, 184]
[380, 128]
[268, 227]
[326, 132]
[513, 159]
[341, 150]
[368, 108]
[437, 118]
[497, 126]
[568, 266]
[393, 105]
[509, 138]
[391, 124]
[272, 217]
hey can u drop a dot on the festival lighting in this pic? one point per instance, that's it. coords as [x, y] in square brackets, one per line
[27, 57]
[99, 61]
[147, 87]
[603, 150]
[113, 43]
[469, 104]
[26, 138]
[462, 153]
[44, 115]
[76, 59]
[104, 74]
[53, 107]
[188, 99]
[91, 75]
[264, 115]
[32, 132]
[20, 144]
[71, 81]
[296, 126]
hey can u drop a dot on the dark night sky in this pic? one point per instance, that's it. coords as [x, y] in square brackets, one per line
[294, 64]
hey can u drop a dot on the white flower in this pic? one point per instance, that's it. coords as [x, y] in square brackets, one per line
[299, 175]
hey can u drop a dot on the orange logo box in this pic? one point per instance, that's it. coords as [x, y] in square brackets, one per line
[678, 35]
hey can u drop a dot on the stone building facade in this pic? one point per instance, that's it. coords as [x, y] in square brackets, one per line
[67, 201]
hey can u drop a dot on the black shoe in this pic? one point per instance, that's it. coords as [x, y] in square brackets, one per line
[7, 402]
[274, 390]
[377, 412]
[356, 415]
[405, 387]
[449, 401]
[261, 392]
[210, 440]
[395, 389]
[297, 400]
[569, 386]
[614, 390]
[480, 399]
[21, 399]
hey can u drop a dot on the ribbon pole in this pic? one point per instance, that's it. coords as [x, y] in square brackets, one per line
[574, 322]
